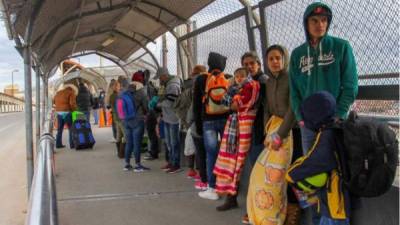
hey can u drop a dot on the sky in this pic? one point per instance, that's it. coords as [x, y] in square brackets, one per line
[9, 61]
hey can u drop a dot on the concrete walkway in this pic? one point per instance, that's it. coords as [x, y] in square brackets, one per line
[93, 189]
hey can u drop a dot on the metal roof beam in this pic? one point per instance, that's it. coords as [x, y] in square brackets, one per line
[164, 9]
[86, 35]
[53, 30]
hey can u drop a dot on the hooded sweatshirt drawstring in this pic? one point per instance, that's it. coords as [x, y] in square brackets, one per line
[308, 61]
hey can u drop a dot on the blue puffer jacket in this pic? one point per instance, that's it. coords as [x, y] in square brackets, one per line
[318, 111]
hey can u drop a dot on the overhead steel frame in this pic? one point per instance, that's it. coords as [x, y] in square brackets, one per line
[113, 59]
[132, 6]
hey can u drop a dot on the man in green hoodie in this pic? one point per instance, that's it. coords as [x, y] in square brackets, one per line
[322, 63]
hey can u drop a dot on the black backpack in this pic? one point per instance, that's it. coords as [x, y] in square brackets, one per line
[368, 156]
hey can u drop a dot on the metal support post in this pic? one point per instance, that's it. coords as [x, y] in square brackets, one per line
[263, 35]
[37, 120]
[43, 102]
[164, 51]
[249, 27]
[180, 59]
[28, 115]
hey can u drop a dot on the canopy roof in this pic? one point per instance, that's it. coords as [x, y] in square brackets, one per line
[116, 27]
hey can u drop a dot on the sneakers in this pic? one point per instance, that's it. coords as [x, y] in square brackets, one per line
[166, 167]
[128, 168]
[61, 146]
[174, 169]
[200, 185]
[191, 173]
[112, 140]
[139, 168]
[197, 177]
[209, 194]
[245, 219]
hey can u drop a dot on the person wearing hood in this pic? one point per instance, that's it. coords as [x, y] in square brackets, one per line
[319, 112]
[171, 121]
[321, 63]
[64, 103]
[84, 100]
[269, 170]
[134, 127]
[213, 116]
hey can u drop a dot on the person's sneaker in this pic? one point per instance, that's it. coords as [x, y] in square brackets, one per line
[140, 168]
[112, 140]
[209, 194]
[61, 146]
[149, 157]
[191, 173]
[245, 219]
[166, 167]
[174, 169]
[200, 185]
[128, 168]
[197, 177]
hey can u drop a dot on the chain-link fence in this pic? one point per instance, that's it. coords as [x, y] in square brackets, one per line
[369, 26]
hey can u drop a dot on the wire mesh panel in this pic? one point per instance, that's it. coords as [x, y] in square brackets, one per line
[172, 54]
[368, 26]
[229, 40]
[216, 10]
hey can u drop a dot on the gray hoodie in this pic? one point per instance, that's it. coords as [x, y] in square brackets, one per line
[172, 91]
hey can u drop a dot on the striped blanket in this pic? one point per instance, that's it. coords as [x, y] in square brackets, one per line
[229, 164]
[236, 143]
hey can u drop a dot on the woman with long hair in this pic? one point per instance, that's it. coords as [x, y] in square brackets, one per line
[266, 198]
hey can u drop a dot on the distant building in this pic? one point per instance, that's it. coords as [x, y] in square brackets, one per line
[13, 91]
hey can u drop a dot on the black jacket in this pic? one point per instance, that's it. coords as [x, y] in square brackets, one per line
[84, 99]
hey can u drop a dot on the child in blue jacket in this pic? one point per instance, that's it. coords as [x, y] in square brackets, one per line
[318, 112]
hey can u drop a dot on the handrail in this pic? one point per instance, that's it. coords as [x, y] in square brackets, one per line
[42, 208]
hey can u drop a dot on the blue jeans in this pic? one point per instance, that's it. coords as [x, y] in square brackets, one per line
[211, 129]
[134, 131]
[171, 132]
[307, 140]
[62, 120]
[96, 116]
[328, 221]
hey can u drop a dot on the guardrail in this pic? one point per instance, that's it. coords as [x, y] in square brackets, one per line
[42, 208]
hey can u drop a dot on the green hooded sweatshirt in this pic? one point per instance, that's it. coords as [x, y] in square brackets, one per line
[330, 67]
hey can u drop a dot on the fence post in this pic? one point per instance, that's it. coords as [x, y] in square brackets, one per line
[263, 34]
[37, 69]
[249, 27]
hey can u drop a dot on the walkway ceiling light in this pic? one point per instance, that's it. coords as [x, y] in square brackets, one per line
[108, 41]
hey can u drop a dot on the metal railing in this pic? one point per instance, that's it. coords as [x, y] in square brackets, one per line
[42, 208]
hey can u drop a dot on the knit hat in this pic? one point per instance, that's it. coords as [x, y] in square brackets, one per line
[161, 71]
[216, 61]
[138, 76]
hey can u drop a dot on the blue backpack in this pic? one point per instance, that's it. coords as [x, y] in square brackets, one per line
[125, 105]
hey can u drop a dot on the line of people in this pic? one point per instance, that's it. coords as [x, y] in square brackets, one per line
[246, 118]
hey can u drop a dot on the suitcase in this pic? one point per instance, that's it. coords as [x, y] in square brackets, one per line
[82, 135]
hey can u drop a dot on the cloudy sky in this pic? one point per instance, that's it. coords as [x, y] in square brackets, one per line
[9, 60]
